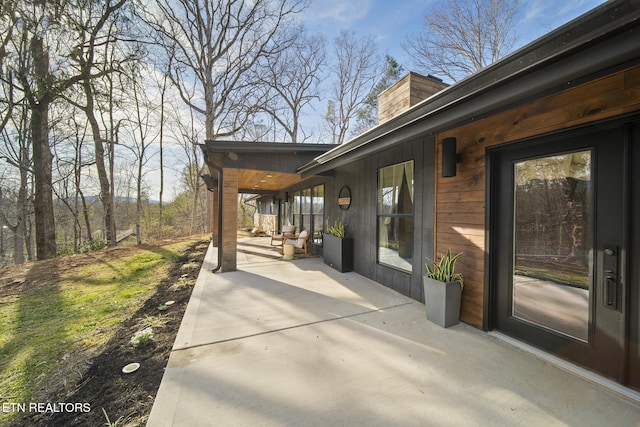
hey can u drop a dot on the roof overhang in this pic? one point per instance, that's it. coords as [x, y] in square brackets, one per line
[599, 42]
[263, 167]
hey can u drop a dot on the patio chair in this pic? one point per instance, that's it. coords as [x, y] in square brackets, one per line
[288, 232]
[300, 242]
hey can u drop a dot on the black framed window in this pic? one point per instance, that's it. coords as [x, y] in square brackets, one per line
[317, 213]
[395, 215]
[307, 211]
[266, 206]
[296, 208]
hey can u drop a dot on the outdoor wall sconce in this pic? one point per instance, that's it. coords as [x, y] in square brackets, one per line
[449, 157]
[286, 197]
[209, 181]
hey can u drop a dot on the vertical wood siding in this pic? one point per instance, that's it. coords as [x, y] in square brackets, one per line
[460, 201]
[361, 217]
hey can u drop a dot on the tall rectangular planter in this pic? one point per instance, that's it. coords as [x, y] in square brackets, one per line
[338, 252]
[442, 301]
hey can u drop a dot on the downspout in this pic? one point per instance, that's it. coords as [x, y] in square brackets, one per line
[219, 170]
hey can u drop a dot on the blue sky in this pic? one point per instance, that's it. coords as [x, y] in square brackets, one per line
[391, 22]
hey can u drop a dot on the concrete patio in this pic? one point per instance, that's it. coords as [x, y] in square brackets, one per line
[295, 343]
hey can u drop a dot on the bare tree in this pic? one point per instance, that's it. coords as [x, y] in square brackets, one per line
[102, 54]
[143, 132]
[73, 159]
[16, 153]
[187, 134]
[356, 70]
[8, 20]
[293, 78]
[45, 36]
[162, 87]
[367, 116]
[460, 37]
[331, 120]
[215, 43]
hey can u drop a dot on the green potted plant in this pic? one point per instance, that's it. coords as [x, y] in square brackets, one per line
[337, 249]
[443, 290]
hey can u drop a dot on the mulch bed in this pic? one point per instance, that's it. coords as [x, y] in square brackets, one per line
[127, 397]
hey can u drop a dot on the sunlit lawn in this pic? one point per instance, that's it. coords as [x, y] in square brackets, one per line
[78, 310]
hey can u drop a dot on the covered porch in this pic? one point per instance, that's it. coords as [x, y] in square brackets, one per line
[267, 169]
[296, 343]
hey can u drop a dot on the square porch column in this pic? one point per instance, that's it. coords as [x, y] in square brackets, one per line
[229, 219]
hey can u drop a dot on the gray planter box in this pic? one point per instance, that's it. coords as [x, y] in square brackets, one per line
[337, 252]
[442, 301]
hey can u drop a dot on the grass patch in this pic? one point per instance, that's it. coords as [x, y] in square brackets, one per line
[71, 309]
[182, 282]
[156, 322]
[556, 276]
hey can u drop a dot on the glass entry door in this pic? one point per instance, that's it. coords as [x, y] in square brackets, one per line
[558, 236]
[552, 255]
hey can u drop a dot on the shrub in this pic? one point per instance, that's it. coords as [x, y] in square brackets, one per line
[143, 337]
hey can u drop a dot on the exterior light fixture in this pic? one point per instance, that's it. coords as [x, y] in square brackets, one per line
[209, 181]
[449, 157]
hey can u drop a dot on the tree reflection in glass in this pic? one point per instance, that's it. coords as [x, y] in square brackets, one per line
[552, 242]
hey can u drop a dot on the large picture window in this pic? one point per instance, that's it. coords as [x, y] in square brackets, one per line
[395, 216]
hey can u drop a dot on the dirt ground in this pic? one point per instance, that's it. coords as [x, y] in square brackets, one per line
[99, 383]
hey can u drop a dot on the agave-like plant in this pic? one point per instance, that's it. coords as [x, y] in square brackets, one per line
[444, 269]
[337, 229]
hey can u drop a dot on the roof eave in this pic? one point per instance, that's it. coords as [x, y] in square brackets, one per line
[547, 65]
[219, 146]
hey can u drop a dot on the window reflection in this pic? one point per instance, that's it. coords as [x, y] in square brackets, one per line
[395, 215]
[552, 242]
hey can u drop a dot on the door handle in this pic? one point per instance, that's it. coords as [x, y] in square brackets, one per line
[611, 292]
[610, 277]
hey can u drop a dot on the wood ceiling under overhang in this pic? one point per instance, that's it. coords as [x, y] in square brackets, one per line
[263, 167]
[260, 181]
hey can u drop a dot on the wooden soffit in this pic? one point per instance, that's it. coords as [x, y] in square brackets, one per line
[263, 167]
[260, 181]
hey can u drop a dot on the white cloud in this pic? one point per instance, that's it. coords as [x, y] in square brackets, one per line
[533, 10]
[343, 12]
[538, 17]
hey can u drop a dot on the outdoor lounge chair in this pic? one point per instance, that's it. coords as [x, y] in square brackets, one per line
[288, 232]
[300, 242]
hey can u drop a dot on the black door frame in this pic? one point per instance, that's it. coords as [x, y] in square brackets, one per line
[631, 300]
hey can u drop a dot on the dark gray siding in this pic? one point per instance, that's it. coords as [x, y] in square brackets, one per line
[361, 218]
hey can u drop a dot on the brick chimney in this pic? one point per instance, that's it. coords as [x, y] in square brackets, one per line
[407, 92]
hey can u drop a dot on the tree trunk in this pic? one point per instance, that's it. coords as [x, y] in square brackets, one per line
[194, 210]
[43, 201]
[162, 97]
[105, 188]
[2, 252]
[18, 243]
[79, 193]
[42, 156]
[20, 229]
[28, 238]
[139, 201]
[3, 225]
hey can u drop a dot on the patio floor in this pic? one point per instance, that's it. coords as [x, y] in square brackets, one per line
[295, 343]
